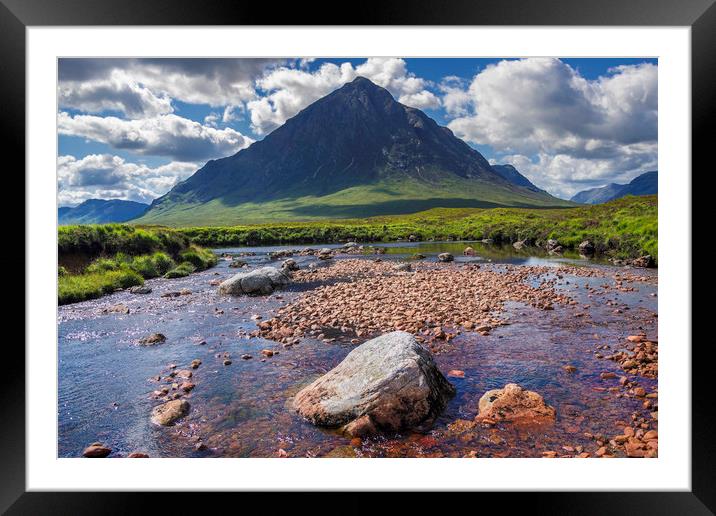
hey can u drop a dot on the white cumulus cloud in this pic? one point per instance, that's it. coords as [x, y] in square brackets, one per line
[570, 130]
[166, 135]
[105, 176]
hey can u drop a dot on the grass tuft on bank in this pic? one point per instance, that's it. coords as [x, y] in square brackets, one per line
[96, 260]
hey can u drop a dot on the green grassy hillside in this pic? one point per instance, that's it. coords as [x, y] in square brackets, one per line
[390, 197]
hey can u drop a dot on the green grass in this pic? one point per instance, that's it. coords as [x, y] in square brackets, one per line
[624, 228]
[80, 287]
[387, 197]
[181, 270]
[113, 256]
[108, 239]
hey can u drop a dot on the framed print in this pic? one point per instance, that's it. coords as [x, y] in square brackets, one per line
[418, 251]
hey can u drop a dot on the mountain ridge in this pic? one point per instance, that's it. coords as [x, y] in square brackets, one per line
[644, 184]
[100, 211]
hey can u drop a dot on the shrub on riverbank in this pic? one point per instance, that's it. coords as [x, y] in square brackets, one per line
[624, 228]
[113, 256]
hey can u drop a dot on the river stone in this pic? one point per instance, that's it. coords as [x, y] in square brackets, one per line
[167, 413]
[259, 281]
[586, 247]
[96, 451]
[513, 403]
[141, 289]
[151, 340]
[389, 383]
[402, 267]
[446, 257]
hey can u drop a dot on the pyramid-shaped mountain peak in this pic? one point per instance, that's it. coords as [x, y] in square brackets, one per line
[355, 152]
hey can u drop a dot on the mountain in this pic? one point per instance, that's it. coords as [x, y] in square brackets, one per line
[512, 175]
[645, 184]
[100, 211]
[353, 153]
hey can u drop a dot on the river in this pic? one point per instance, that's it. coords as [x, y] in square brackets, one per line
[106, 380]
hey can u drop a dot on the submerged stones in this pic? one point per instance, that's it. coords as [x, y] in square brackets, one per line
[168, 413]
[389, 383]
[516, 405]
[645, 261]
[151, 340]
[116, 309]
[260, 281]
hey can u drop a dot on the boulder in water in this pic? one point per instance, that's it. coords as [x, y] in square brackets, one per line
[446, 257]
[259, 281]
[389, 383]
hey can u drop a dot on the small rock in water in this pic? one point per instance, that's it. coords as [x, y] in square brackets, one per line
[195, 363]
[513, 403]
[569, 369]
[184, 373]
[169, 412]
[138, 455]
[227, 362]
[456, 373]
[187, 386]
[154, 338]
[246, 356]
[446, 257]
[96, 451]
[267, 352]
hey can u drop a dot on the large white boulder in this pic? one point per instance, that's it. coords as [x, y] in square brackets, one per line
[389, 383]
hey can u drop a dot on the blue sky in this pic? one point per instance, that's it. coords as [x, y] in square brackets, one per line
[132, 128]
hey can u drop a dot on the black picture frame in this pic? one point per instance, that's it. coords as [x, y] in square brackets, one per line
[700, 15]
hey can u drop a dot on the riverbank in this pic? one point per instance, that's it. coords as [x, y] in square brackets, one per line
[95, 260]
[624, 229]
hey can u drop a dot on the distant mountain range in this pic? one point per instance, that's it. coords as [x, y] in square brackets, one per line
[353, 153]
[100, 211]
[645, 184]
